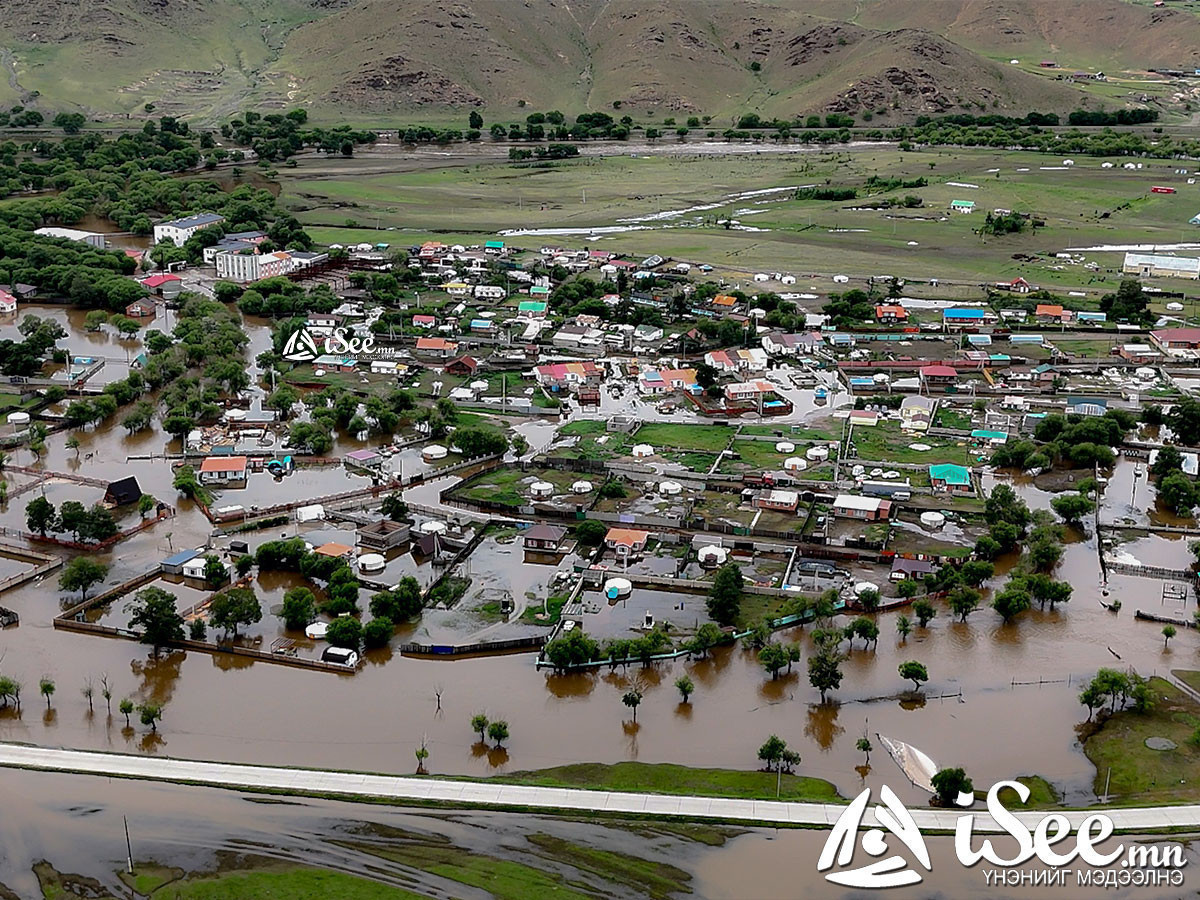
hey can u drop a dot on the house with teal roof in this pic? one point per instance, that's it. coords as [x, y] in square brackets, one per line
[950, 477]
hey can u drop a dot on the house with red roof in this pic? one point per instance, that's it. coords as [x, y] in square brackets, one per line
[938, 376]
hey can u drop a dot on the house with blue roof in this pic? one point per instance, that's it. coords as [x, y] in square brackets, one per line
[173, 564]
[1087, 406]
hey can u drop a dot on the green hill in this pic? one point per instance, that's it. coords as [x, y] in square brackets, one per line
[376, 60]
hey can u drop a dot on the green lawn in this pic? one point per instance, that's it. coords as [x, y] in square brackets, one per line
[667, 435]
[1041, 794]
[668, 778]
[1190, 677]
[1139, 773]
[510, 485]
[886, 443]
[553, 611]
[288, 884]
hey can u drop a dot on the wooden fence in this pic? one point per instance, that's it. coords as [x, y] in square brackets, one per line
[516, 645]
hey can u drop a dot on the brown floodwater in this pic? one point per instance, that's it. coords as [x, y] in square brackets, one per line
[1002, 699]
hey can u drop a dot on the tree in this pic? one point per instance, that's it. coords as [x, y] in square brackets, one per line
[299, 608]
[345, 632]
[153, 611]
[864, 745]
[771, 752]
[150, 713]
[106, 692]
[908, 588]
[475, 119]
[185, 481]
[40, 515]
[773, 657]
[479, 723]
[1012, 601]
[1072, 508]
[1168, 632]
[126, 708]
[868, 600]
[864, 628]
[949, 783]
[498, 732]
[725, 597]
[590, 533]
[1184, 421]
[145, 503]
[707, 635]
[72, 443]
[572, 650]
[197, 630]
[46, 688]
[97, 523]
[89, 692]
[378, 632]
[685, 686]
[237, 606]
[1003, 505]
[963, 601]
[825, 670]
[914, 672]
[633, 699]
[394, 507]
[400, 604]
[924, 612]
[903, 627]
[1178, 493]
[80, 574]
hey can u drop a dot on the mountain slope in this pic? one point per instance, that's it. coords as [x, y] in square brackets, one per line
[378, 58]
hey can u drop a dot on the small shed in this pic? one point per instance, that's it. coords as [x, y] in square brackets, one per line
[173, 564]
[122, 492]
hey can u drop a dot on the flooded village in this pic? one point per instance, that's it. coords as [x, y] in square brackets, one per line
[568, 550]
[533, 510]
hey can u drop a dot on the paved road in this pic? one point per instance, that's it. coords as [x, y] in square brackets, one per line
[403, 788]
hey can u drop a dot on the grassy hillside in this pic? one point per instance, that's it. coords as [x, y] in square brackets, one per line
[372, 60]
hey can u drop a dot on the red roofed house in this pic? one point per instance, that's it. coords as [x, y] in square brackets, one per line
[166, 285]
[223, 470]
[1051, 312]
[8, 303]
[939, 376]
[890, 314]
[1177, 343]
[436, 346]
[626, 542]
[720, 360]
[423, 321]
[463, 365]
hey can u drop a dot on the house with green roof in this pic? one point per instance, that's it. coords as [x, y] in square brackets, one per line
[950, 478]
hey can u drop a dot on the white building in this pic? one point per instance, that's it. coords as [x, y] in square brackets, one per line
[93, 238]
[490, 292]
[245, 267]
[179, 230]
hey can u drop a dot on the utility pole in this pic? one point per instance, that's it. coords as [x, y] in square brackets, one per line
[129, 846]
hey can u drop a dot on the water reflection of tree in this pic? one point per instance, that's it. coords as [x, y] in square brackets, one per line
[775, 690]
[631, 730]
[158, 676]
[151, 742]
[567, 687]
[822, 726]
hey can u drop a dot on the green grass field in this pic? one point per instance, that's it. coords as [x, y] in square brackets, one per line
[1139, 773]
[668, 778]
[886, 443]
[1082, 205]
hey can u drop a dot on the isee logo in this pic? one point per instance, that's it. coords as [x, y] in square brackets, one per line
[301, 346]
[1141, 865]
[890, 872]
